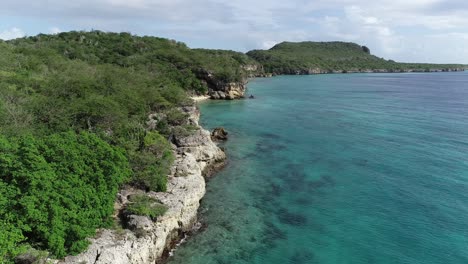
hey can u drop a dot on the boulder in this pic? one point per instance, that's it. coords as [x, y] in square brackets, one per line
[139, 222]
[219, 134]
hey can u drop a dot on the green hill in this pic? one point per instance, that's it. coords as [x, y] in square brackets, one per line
[327, 57]
[128, 51]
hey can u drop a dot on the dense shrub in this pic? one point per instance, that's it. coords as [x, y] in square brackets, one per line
[57, 190]
[145, 205]
[151, 164]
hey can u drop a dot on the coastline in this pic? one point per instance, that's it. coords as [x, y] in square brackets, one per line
[320, 71]
[146, 241]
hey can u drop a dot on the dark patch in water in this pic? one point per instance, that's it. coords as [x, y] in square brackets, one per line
[324, 181]
[302, 257]
[361, 162]
[276, 190]
[251, 155]
[290, 218]
[294, 166]
[227, 224]
[266, 196]
[270, 135]
[268, 147]
[296, 180]
[244, 255]
[271, 234]
[220, 260]
[315, 160]
[328, 179]
[303, 201]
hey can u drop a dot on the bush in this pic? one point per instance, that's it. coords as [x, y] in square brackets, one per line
[11, 236]
[32, 256]
[152, 163]
[175, 117]
[144, 205]
[184, 131]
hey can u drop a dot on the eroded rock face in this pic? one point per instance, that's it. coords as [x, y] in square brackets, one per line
[218, 89]
[148, 241]
[228, 91]
[219, 134]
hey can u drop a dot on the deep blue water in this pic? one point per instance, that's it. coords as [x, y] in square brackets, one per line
[351, 168]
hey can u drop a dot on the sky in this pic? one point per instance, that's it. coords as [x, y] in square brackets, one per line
[403, 30]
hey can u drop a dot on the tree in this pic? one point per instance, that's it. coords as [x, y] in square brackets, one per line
[366, 49]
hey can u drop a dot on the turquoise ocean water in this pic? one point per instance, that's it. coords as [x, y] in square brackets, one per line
[349, 168]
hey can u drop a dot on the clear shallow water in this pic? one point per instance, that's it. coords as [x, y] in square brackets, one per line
[357, 168]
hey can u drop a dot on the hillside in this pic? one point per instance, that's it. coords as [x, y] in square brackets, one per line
[328, 57]
[168, 57]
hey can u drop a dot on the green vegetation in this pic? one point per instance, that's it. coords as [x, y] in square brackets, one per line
[169, 60]
[151, 163]
[56, 190]
[145, 205]
[323, 57]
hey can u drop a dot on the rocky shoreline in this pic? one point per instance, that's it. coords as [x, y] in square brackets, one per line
[145, 241]
[219, 90]
[321, 71]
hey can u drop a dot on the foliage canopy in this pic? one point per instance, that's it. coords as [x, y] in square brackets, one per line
[56, 190]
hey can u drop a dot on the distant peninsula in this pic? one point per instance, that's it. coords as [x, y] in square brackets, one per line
[334, 57]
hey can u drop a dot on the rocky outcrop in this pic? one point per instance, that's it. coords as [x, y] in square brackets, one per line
[146, 241]
[255, 70]
[252, 68]
[222, 89]
[219, 134]
[263, 75]
[228, 91]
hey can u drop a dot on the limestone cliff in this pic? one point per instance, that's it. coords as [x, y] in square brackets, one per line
[228, 91]
[222, 89]
[146, 241]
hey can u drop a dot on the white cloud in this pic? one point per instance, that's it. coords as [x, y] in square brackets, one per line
[54, 30]
[268, 44]
[11, 33]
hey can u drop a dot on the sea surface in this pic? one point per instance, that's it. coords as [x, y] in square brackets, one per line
[345, 168]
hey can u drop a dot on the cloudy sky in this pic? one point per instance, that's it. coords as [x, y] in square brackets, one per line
[403, 30]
